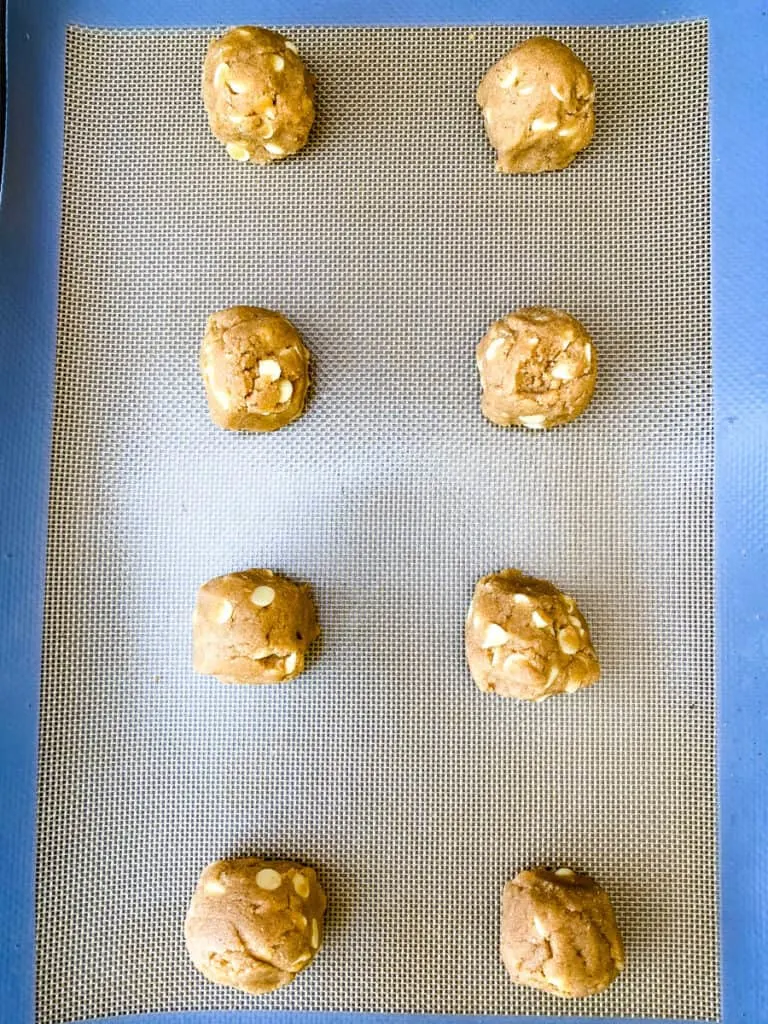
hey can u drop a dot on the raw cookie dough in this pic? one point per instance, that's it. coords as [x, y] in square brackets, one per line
[526, 639]
[258, 95]
[253, 627]
[254, 924]
[537, 369]
[559, 934]
[255, 369]
[538, 107]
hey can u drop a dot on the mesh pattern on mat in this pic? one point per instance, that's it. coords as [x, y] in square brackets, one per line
[392, 244]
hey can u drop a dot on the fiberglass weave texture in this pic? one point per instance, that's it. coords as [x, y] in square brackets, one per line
[391, 243]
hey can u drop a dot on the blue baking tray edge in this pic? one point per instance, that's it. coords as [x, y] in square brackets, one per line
[29, 231]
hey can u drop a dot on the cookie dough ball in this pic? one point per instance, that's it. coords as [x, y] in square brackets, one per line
[253, 627]
[559, 934]
[526, 639]
[538, 107]
[254, 924]
[258, 95]
[255, 369]
[538, 368]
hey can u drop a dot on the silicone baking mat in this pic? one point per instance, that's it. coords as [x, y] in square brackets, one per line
[391, 243]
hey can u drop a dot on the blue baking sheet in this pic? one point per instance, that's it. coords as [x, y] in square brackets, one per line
[29, 232]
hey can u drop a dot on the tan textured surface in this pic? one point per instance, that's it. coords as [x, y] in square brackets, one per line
[538, 107]
[559, 933]
[526, 639]
[538, 368]
[255, 368]
[255, 924]
[258, 94]
[253, 627]
[392, 496]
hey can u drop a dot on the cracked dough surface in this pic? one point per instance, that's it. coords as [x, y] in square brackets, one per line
[526, 639]
[258, 95]
[559, 933]
[255, 368]
[538, 107]
[254, 924]
[538, 368]
[253, 627]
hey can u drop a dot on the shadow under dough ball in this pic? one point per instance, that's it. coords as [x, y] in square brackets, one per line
[258, 95]
[559, 933]
[255, 924]
[538, 107]
[526, 639]
[255, 368]
[253, 627]
[538, 369]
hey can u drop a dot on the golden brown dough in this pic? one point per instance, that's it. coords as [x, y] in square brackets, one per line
[254, 924]
[255, 369]
[538, 107]
[258, 95]
[253, 627]
[538, 368]
[559, 933]
[526, 639]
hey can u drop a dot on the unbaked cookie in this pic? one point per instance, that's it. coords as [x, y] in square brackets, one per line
[538, 107]
[254, 924]
[538, 368]
[255, 369]
[258, 95]
[526, 639]
[253, 627]
[559, 933]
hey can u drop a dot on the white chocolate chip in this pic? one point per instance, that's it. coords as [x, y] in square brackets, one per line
[494, 347]
[270, 113]
[286, 390]
[521, 599]
[274, 149]
[541, 124]
[576, 622]
[525, 90]
[539, 620]
[299, 920]
[564, 873]
[556, 92]
[562, 371]
[588, 353]
[539, 927]
[510, 78]
[290, 662]
[265, 130]
[513, 660]
[300, 961]
[263, 596]
[291, 46]
[238, 87]
[532, 422]
[269, 879]
[234, 118]
[494, 636]
[315, 936]
[269, 369]
[568, 640]
[222, 398]
[565, 132]
[554, 672]
[488, 115]
[238, 152]
[220, 74]
[215, 887]
[571, 687]
[301, 885]
[223, 612]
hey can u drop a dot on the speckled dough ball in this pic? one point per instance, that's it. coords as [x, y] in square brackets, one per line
[253, 627]
[254, 924]
[255, 369]
[559, 933]
[258, 95]
[526, 639]
[538, 368]
[538, 107]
